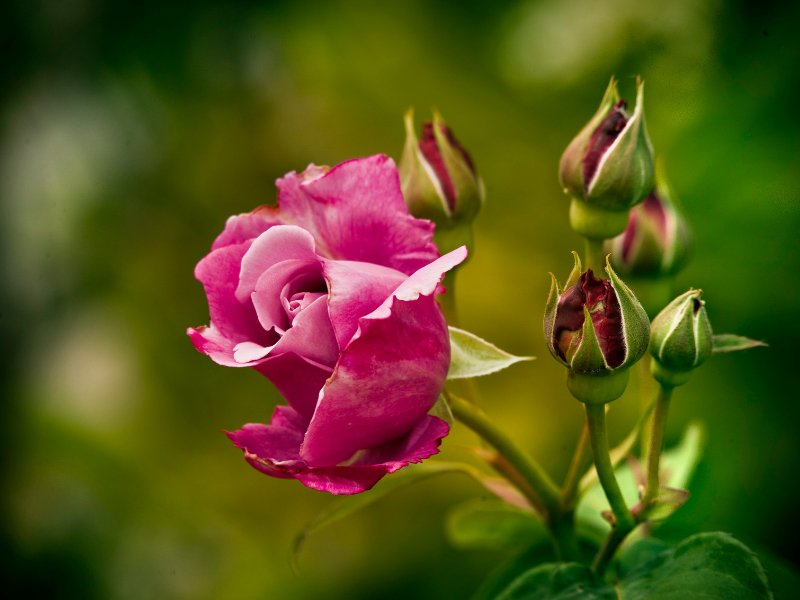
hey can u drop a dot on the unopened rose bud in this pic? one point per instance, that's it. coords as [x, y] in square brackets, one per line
[597, 329]
[657, 241]
[682, 339]
[439, 182]
[608, 167]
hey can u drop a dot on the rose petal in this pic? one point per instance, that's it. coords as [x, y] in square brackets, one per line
[209, 340]
[355, 290]
[246, 352]
[389, 376]
[422, 442]
[273, 450]
[297, 380]
[248, 226]
[284, 242]
[267, 297]
[311, 335]
[232, 319]
[356, 212]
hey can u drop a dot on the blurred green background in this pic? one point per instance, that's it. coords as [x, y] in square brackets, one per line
[129, 132]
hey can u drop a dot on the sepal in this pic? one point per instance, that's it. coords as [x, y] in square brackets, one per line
[570, 170]
[682, 337]
[634, 319]
[625, 173]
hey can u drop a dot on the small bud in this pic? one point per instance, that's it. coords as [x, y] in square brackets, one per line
[608, 167]
[657, 241]
[439, 182]
[597, 329]
[682, 339]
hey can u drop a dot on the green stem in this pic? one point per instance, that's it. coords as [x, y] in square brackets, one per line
[595, 257]
[598, 436]
[448, 300]
[545, 490]
[646, 382]
[581, 461]
[659, 425]
[466, 387]
[474, 418]
[607, 550]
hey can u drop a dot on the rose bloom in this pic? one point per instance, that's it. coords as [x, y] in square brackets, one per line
[330, 295]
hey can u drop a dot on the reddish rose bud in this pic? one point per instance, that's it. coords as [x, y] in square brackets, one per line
[599, 298]
[597, 329]
[439, 182]
[657, 241]
[608, 167]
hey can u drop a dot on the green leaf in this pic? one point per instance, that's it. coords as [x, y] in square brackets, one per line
[706, 565]
[559, 581]
[494, 525]
[470, 356]
[342, 507]
[730, 342]
[713, 566]
[511, 568]
[678, 464]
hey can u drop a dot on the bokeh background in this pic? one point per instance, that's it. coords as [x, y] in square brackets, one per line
[129, 131]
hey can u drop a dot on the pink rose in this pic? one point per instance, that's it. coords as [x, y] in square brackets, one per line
[330, 295]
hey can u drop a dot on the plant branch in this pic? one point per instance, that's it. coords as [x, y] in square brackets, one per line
[545, 491]
[595, 259]
[598, 436]
[659, 425]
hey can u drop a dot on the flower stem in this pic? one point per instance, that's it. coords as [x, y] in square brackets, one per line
[646, 382]
[656, 443]
[598, 436]
[466, 387]
[581, 461]
[595, 258]
[607, 550]
[448, 300]
[546, 493]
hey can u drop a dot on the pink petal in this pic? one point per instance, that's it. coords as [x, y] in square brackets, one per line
[247, 352]
[422, 442]
[356, 212]
[210, 341]
[247, 226]
[389, 376]
[297, 380]
[285, 242]
[267, 297]
[311, 335]
[274, 450]
[232, 319]
[355, 290]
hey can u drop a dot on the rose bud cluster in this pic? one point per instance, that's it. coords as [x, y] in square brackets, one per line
[439, 182]
[657, 240]
[682, 339]
[608, 167]
[330, 295]
[597, 329]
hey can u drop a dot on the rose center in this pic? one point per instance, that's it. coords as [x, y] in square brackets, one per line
[300, 292]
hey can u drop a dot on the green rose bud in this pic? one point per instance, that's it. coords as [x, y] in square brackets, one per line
[657, 241]
[439, 182]
[682, 339]
[608, 167]
[597, 329]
